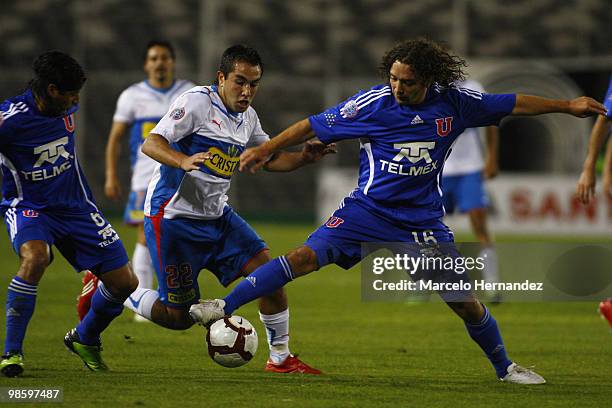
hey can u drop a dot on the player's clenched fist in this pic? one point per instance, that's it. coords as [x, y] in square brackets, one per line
[193, 162]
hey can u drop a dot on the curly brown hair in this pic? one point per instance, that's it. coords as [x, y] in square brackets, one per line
[430, 61]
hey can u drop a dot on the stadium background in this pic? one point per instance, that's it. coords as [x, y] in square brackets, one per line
[316, 53]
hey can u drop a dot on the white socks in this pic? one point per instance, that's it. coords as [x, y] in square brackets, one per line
[143, 266]
[489, 273]
[141, 301]
[277, 327]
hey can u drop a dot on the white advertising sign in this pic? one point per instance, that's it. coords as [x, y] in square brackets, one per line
[520, 203]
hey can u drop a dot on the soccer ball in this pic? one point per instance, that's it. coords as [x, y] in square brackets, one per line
[232, 341]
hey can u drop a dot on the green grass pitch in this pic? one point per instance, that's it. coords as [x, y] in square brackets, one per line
[373, 354]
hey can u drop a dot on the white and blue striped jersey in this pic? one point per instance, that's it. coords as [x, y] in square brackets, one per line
[403, 147]
[199, 122]
[467, 154]
[141, 106]
[39, 163]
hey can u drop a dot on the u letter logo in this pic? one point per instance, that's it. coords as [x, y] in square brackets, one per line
[334, 222]
[69, 122]
[444, 126]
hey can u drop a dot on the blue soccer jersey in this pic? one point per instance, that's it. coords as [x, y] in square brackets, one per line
[608, 100]
[403, 147]
[45, 194]
[39, 162]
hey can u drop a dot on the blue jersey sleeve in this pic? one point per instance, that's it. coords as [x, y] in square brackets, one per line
[347, 120]
[5, 133]
[608, 100]
[481, 109]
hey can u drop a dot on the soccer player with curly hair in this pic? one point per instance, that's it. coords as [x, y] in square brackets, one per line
[398, 194]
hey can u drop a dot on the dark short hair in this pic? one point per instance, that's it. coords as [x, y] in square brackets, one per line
[429, 60]
[158, 43]
[58, 68]
[238, 53]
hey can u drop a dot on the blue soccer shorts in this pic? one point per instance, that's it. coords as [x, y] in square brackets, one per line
[134, 209]
[86, 240]
[465, 192]
[182, 247]
[339, 240]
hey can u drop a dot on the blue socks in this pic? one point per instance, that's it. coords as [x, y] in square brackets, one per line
[19, 309]
[487, 335]
[265, 279]
[104, 308]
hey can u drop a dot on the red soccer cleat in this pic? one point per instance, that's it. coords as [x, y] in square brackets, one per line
[90, 283]
[605, 309]
[292, 364]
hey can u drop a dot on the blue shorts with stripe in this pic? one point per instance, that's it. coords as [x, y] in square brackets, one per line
[182, 247]
[86, 240]
[339, 241]
[134, 209]
[465, 192]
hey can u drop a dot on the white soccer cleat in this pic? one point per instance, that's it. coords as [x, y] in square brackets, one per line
[521, 375]
[207, 312]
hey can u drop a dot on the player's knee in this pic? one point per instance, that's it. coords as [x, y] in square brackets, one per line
[122, 284]
[262, 258]
[303, 260]
[34, 261]
[131, 283]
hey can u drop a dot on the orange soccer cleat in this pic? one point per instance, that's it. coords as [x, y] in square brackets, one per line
[90, 283]
[292, 364]
[605, 309]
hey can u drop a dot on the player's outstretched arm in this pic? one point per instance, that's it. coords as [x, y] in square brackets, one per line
[289, 161]
[255, 158]
[158, 148]
[536, 105]
[585, 189]
[112, 186]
